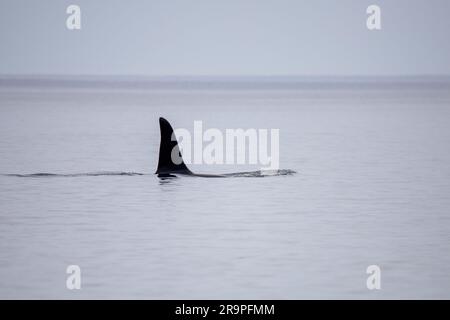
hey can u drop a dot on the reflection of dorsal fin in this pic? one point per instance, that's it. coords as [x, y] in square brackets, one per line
[169, 146]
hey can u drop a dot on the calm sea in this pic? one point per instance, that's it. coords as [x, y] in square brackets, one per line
[372, 188]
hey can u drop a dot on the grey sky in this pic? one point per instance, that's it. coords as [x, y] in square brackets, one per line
[226, 37]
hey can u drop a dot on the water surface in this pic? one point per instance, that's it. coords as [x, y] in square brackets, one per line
[372, 187]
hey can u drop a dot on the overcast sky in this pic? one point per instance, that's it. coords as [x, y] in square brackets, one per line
[226, 37]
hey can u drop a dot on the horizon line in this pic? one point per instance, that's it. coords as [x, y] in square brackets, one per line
[200, 77]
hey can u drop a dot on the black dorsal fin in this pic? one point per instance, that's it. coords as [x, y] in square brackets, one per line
[167, 147]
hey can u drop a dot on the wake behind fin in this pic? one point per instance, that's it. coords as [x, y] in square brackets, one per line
[170, 158]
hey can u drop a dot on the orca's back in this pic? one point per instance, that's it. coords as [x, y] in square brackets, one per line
[170, 158]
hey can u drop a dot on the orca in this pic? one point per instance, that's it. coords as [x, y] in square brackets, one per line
[168, 169]
[169, 145]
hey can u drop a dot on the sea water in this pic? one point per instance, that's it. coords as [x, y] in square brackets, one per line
[372, 187]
